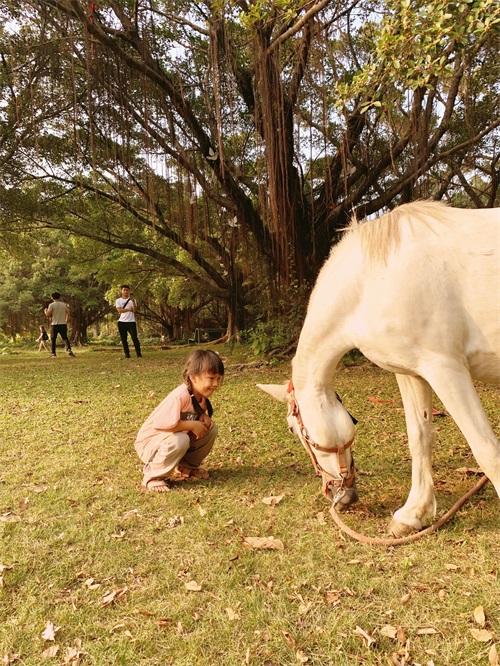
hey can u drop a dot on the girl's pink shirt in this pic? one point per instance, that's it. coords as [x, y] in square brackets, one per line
[167, 414]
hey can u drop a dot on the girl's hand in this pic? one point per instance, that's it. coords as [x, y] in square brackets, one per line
[205, 418]
[199, 428]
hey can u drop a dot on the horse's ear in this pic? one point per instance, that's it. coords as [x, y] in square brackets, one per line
[278, 391]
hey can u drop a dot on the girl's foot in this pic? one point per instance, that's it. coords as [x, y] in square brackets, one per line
[155, 486]
[194, 474]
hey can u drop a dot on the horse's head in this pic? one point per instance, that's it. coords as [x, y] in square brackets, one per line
[326, 430]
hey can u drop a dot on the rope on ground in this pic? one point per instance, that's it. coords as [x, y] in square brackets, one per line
[376, 541]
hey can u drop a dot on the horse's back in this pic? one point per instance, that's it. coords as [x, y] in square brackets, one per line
[436, 293]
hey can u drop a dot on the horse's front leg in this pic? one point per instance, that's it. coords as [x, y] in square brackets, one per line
[458, 394]
[421, 504]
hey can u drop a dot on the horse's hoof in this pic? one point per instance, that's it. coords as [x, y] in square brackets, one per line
[399, 530]
[349, 497]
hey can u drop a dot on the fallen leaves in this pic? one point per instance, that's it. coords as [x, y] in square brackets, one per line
[332, 597]
[113, 596]
[262, 543]
[300, 655]
[10, 658]
[192, 586]
[50, 652]
[272, 500]
[389, 631]
[368, 638]
[479, 616]
[74, 653]
[10, 517]
[3, 568]
[481, 635]
[232, 614]
[50, 631]
[426, 631]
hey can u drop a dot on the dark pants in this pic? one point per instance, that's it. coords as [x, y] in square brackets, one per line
[125, 327]
[62, 329]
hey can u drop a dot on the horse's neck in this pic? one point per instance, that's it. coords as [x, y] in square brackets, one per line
[316, 361]
[327, 332]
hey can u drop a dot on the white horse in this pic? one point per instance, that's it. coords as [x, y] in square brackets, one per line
[417, 291]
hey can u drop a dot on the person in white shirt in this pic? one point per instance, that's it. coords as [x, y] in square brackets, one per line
[127, 307]
[58, 314]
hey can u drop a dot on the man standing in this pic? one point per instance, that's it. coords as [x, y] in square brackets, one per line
[58, 314]
[127, 308]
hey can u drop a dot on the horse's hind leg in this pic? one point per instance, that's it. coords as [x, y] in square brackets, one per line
[421, 504]
[457, 393]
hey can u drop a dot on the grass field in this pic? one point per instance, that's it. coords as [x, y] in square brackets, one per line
[93, 571]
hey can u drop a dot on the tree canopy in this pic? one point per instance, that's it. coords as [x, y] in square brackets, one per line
[228, 142]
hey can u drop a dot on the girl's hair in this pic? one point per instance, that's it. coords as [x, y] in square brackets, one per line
[200, 362]
[42, 328]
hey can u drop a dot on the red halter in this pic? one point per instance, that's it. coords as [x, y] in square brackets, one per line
[347, 476]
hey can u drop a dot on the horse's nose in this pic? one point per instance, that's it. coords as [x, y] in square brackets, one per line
[349, 496]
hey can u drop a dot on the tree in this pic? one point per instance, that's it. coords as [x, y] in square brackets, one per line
[40, 264]
[228, 142]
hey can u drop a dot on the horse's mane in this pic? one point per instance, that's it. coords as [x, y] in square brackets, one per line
[379, 236]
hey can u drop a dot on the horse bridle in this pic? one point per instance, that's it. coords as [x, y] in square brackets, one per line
[347, 476]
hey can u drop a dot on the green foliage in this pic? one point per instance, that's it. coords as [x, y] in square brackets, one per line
[416, 43]
[277, 326]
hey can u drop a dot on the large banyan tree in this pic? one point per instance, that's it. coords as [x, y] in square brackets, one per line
[229, 141]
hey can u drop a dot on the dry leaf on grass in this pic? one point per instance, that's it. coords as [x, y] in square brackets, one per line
[301, 657]
[479, 616]
[10, 517]
[468, 470]
[405, 598]
[131, 513]
[110, 597]
[320, 517]
[272, 500]
[389, 631]
[493, 656]
[426, 631]
[2, 569]
[120, 536]
[263, 543]
[193, 586]
[289, 638]
[305, 608]
[91, 584]
[10, 658]
[49, 633]
[73, 653]
[232, 614]
[482, 635]
[365, 636]
[332, 597]
[146, 613]
[50, 652]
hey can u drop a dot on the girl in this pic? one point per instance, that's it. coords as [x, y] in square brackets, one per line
[179, 434]
[42, 338]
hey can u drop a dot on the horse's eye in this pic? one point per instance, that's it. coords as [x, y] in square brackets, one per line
[290, 429]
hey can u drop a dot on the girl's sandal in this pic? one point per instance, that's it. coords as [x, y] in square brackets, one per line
[194, 474]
